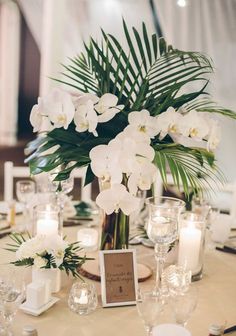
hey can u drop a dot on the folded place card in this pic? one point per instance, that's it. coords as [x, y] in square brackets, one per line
[118, 277]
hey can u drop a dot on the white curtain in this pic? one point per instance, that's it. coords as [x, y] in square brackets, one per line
[9, 71]
[209, 26]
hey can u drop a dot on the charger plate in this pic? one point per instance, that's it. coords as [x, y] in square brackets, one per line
[91, 271]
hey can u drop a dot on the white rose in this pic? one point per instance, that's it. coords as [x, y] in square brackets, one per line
[40, 262]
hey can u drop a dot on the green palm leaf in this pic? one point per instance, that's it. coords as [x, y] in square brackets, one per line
[150, 75]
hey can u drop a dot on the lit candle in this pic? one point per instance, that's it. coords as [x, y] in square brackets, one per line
[189, 246]
[83, 299]
[88, 238]
[47, 226]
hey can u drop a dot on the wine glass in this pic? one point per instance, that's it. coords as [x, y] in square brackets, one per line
[162, 229]
[149, 306]
[183, 304]
[12, 294]
[25, 189]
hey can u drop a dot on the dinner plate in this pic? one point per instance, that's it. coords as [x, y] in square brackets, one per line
[36, 312]
[170, 330]
[4, 208]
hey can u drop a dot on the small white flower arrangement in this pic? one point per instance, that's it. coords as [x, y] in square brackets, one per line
[45, 252]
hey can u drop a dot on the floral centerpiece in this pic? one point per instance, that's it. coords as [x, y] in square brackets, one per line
[130, 114]
[46, 252]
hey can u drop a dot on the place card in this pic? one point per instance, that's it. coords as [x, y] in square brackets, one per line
[118, 277]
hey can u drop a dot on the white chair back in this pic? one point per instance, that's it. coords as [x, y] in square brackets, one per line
[11, 172]
[224, 197]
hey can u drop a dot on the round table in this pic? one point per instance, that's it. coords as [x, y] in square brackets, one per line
[217, 302]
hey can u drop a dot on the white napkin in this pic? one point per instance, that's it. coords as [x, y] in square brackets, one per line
[170, 330]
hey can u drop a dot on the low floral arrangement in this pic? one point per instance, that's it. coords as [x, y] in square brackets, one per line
[44, 252]
[131, 114]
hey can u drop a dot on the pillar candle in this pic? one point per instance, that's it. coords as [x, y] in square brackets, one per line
[47, 226]
[189, 247]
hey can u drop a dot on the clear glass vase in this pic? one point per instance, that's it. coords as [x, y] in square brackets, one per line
[192, 243]
[115, 227]
[115, 231]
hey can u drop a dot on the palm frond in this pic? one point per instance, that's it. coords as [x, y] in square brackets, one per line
[151, 75]
[191, 168]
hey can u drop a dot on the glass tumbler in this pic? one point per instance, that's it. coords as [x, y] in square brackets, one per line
[82, 298]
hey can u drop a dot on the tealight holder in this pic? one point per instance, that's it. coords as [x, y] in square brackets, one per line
[88, 239]
[46, 220]
[82, 298]
[192, 229]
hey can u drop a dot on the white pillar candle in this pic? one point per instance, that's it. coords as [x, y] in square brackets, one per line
[47, 226]
[189, 247]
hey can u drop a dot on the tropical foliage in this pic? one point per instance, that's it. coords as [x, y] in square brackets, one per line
[151, 75]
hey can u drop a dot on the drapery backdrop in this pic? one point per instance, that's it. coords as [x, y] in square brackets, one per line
[59, 28]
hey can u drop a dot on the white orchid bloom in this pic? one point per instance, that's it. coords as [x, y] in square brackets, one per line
[214, 136]
[168, 122]
[133, 142]
[143, 123]
[36, 116]
[105, 162]
[84, 98]
[143, 176]
[59, 107]
[194, 125]
[115, 198]
[38, 119]
[85, 117]
[107, 108]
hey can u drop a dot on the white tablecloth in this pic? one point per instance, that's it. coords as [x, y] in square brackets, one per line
[217, 302]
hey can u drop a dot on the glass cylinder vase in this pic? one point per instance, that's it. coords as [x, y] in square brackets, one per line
[46, 220]
[191, 243]
[115, 231]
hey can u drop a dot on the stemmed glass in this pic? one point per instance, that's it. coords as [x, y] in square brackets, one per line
[25, 189]
[183, 304]
[12, 294]
[162, 229]
[150, 306]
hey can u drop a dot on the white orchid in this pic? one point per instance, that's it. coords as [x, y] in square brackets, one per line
[194, 125]
[59, 107]
[134, 143]
[105, 162]
[85, 117]
[115, 198]
[142, 122]
[107, 108]
[38, 119]
[214, 136]
[169, 122]
[143, 176]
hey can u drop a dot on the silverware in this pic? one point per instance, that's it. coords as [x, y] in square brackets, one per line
[230, 329]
